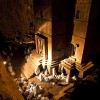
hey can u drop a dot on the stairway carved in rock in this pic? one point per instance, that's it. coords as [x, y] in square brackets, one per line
[31, 63]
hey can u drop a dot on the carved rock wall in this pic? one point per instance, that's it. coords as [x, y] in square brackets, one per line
[8, 88]
[15, 17]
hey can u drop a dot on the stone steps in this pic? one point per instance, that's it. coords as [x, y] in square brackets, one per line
[32, 62]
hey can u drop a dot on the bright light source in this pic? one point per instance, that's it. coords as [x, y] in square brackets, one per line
[4, 62]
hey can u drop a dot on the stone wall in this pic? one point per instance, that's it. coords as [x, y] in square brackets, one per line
[92, 46]
[15, 17]
[86, 29]
[54, 19]
[81, 17]
[43, 21]
[62, 27]
[8, 88]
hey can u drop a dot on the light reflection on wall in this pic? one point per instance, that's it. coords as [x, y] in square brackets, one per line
[80, 49]
[46, 30]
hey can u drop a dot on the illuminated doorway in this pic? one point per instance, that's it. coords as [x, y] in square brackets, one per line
[42, 46]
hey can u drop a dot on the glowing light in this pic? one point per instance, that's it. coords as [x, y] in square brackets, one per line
[4, 62]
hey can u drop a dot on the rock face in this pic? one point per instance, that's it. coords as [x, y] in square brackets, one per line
[8, 89]
[15, 17]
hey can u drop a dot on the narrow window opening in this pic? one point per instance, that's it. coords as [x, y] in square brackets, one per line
[77, 14]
